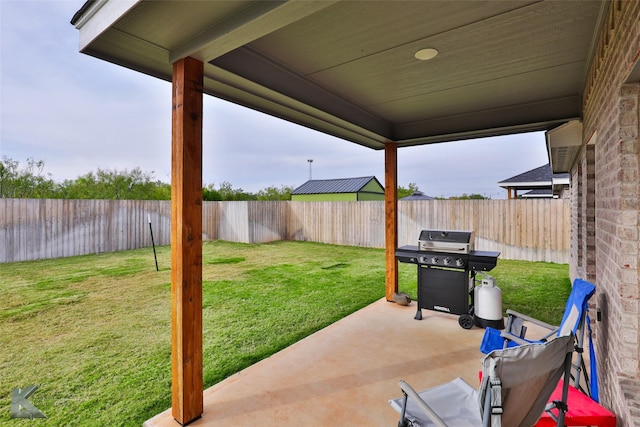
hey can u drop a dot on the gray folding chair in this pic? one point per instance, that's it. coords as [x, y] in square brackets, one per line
[516, 385]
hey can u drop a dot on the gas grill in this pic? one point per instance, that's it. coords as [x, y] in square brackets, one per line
[447, 265]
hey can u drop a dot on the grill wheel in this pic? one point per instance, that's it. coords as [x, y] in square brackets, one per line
[466, 321]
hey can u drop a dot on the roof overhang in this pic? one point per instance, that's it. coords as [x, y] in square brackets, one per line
[526, 185]
[563, 145]
[538, 196]
[560, 183]
[348, 68]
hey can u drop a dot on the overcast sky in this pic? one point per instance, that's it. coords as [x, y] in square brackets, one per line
[78, 114]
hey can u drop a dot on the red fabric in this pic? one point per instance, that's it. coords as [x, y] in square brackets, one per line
[582, 410]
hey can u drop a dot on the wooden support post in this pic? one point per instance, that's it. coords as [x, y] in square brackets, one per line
[186, 241]
[391, 218]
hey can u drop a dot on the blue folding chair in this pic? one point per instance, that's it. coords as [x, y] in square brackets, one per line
[576, 316]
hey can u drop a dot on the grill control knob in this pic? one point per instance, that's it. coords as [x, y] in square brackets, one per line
[434, 260]
[459, 262]
[447, 261]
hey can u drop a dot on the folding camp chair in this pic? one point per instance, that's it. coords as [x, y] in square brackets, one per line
[576, 317]
[516, 385]
[583, 397]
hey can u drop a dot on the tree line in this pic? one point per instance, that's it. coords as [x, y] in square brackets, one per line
[29, 181]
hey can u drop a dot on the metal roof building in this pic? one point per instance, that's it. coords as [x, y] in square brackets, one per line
[343, 189]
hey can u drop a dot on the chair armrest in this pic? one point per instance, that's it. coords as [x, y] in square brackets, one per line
[512, 313]
[410, 392]
[509, 336]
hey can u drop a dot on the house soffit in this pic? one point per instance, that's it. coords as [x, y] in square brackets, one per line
[348, 68]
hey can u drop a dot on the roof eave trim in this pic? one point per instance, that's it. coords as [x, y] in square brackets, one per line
[97, 16]
[525, 184]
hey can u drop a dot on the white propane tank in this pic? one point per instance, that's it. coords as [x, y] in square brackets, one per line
[488, 304]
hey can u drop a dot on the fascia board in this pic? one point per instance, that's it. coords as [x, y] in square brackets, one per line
[525, 184]
[102, 15]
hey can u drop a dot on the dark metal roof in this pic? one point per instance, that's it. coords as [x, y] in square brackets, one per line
[342, 185]
[418, 195]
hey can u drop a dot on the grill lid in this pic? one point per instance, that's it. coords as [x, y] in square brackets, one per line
[451, 241]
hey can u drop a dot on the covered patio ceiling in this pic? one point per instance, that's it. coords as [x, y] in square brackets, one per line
[347, 68]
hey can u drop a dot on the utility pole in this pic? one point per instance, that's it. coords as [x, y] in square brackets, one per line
[310, 161]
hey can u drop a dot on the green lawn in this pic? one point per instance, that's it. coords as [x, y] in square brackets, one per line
[93, 332]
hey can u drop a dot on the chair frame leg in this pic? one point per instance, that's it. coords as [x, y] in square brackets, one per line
[403, 421]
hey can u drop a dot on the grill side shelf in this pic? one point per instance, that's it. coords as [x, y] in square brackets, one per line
[483, 260]
[408, 254]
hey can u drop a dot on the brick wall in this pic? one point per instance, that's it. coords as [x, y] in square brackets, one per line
[611, 120]
[582, 197]
[589, 209]
[576, 257]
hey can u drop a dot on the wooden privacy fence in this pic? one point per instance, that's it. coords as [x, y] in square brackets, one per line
[534, 230]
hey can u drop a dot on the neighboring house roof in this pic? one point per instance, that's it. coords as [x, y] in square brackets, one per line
[418, 195]
[342, 185]
[541, 180]
[538, 193]
[538, 177]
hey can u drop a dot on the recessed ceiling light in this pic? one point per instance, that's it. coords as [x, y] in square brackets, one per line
[426, 54]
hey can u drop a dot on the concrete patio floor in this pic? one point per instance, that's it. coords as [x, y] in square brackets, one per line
[345, 373]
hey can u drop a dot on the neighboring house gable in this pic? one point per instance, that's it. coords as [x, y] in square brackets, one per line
[539, 182]
[344, 189]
